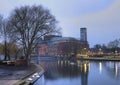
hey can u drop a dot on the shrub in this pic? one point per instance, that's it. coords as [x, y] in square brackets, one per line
[22, 57]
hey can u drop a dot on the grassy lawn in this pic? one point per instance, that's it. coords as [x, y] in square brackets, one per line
[113, 57]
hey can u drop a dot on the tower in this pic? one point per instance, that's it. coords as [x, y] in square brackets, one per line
[83, 36]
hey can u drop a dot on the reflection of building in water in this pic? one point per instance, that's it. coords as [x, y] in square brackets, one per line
[84, 75]
[84, 67]
[67, 69]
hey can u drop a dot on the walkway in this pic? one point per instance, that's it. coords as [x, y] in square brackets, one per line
[10, 75]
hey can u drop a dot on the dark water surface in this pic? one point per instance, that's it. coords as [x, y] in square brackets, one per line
[80, 73]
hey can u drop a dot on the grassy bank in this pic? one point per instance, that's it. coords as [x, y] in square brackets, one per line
[104, 58]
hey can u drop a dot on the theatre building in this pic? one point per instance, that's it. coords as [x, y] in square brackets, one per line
[52, 45]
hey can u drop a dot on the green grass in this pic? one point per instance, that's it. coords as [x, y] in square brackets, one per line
[113, 57]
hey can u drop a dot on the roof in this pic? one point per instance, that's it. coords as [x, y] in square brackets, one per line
[56, 40]
[40, 41]
[62, 39]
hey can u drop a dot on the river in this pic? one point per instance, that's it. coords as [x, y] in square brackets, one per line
[65, 72]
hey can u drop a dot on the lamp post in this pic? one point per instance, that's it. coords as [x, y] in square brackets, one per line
[85, 50]
[115, 52]
[100, 50]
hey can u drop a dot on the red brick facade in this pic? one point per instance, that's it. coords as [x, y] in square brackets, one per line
[58, 47]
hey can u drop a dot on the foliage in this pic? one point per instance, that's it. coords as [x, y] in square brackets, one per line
[22, 57]
[110, 48]
[12, 49]
[1, 49]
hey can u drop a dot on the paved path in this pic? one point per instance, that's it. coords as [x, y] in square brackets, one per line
[11, 74]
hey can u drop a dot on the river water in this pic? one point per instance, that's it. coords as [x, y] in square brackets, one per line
[65, 72]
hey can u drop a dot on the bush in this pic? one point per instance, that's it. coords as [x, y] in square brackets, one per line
[1, 62]
[22, 57]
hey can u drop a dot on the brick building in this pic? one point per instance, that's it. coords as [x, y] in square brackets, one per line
[57, 46]
[52, 45]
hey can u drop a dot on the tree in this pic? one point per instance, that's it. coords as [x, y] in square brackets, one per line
[4, 32]
[1, 21]
[114, 44]
[12, 49]
[96, 47]
[28, 24]
[0, 34]
[1, 49]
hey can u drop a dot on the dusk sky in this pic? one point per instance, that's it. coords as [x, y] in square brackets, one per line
[101, 17]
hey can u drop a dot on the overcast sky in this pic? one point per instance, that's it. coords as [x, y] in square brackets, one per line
[101, 17]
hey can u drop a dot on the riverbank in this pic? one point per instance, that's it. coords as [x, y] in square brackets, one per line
[18, 75]
[105, 58]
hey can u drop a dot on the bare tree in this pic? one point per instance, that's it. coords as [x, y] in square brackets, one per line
[1, 21]
[28, 24]
[4, 32]
[114, 44]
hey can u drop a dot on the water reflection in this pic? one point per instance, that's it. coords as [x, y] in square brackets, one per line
[116, 70]
[80, 73]
[112, 69]
[66, 69]
[100, 67]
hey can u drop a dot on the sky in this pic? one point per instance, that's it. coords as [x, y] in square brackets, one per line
[100, 17]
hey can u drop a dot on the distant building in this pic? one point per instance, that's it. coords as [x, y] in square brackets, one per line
[83, 38]
[83, 34]
[57, 46]
[64, 46]
[54, 45]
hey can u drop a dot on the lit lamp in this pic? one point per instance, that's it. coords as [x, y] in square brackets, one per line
[100, 50]
[85, 50]
[116, 52]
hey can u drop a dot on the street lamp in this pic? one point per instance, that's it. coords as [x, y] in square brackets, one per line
[100, 50]
[115, 52]
[85, 50]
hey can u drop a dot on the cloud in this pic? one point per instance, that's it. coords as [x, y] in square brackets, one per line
[101, 17]
[103, 26]
[6, 6]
